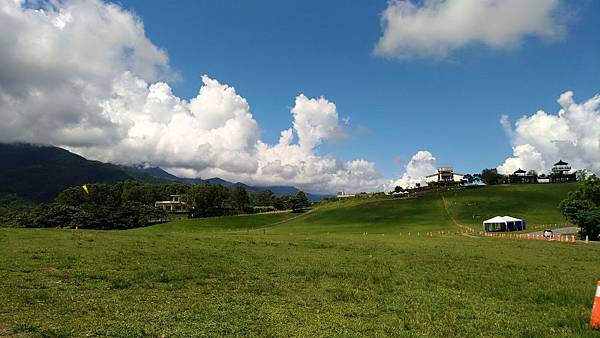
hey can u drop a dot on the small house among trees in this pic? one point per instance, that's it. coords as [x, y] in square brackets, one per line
[173, 205]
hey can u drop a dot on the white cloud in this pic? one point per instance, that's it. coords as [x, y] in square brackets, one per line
[435, 28]
[526, 158]
[542, 139]
[58, 60]
[422, 163]
[82, 74]
[315, 121]
[216, 135]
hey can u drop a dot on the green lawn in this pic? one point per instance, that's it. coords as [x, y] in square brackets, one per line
[536, 203]
[223, 224]
[296, 275]
[425, 213]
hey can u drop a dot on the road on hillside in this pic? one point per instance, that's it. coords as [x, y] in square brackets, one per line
[558, 231]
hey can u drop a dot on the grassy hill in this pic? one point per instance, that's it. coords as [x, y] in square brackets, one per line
[425, 213]
[312, 274]
[536, 203]
[437, 211]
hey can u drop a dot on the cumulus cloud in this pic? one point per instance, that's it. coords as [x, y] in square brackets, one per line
[83, 75]
[315, 121]
[422, 163]
[435, 28]
[541, 139]
[215, 134]
[56, 61]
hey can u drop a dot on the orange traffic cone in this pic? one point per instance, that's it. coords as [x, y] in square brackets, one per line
[596, 309]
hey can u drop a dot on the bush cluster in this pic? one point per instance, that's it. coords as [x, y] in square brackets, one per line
[582, 207]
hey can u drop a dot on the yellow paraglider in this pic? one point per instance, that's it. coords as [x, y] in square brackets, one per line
[85, 188]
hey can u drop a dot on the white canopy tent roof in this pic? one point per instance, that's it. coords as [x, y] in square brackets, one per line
[504, 223]
[502, 219]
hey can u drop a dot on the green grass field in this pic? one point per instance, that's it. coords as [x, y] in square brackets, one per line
[313, 274]
[537, 203]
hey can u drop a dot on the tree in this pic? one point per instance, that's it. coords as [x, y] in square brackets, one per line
[300, 201]
[582, 207]
[239, 198]
[74, 196]
[103, 208]
[581, 175]
[469, 178]
[144, 193]
[207, 199]
[279, 203]
[532, 173]
[398, 189]
[263, 198]
[491, 177]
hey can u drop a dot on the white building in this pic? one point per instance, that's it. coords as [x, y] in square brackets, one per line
[343, 194]
[174, 205]
[445, 176]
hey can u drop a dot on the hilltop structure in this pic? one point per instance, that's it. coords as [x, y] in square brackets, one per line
[521, 176]
[445, 176]
[561, 173]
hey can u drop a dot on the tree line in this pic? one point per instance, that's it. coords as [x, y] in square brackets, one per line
[491, 176]
[205, 200]
[130, 204]
[582, 208]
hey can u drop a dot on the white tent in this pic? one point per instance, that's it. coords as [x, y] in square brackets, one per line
[504, 223]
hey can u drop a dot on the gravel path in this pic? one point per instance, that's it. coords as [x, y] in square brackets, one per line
[558, 231]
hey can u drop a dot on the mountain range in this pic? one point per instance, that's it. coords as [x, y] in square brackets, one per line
[39, 173]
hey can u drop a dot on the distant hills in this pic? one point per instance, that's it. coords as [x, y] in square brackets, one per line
[40, 173]
[279, 190]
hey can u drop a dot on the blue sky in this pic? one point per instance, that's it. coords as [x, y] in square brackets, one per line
[271, 51]
[416, 79]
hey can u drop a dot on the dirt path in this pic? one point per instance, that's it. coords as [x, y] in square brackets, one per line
[462, 226]
[265, 213]
[558, 231]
